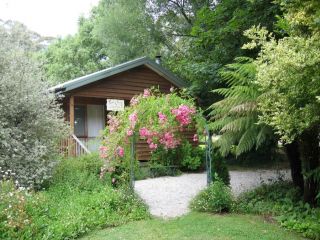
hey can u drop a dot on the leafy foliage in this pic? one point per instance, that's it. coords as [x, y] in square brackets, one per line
[217, 37]
[235, 117]
[219, 168]
[286, 73]
[127, 37]
[282, 201]
[31, 122]
[217, 198]
[76, 202]
[75, 56]
[184, 157]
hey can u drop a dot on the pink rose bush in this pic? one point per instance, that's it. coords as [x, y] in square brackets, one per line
[120, 151]
[162, 117]
[183, 114]
[157, 118]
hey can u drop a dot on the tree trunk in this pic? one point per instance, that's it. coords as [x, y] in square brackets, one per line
[310, 153]
[293, 154]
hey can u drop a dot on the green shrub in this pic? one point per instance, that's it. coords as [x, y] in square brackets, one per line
[217, 198]
[219, 168]
[13, 215]
[283, 201]
[78, 173]
[75, 202]
[184, 157]
[191, 157]
[31, 120]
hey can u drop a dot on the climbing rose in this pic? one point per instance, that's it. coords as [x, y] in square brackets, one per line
[113, 123]
[133, 118]
[134, 101]
[195, 138]
[169, 141]
[129, 132]
[146, 93]
[183, 114]
[144, 132]
[103, 151]
[120, 151]
[162, 117]
[153, 146]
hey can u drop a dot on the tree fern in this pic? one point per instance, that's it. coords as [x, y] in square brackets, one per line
[236, 116]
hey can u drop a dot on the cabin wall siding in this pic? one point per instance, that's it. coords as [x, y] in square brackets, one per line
[125, 85]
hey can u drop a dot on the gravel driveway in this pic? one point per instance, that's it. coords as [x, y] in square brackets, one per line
[169, 197]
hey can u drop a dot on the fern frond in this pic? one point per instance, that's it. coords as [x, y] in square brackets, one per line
[264, 133]
[248, 140]
[239, 124]
[218, 124]
[246, 107]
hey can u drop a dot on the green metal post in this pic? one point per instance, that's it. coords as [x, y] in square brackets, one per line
[208, 156]
[132, 159]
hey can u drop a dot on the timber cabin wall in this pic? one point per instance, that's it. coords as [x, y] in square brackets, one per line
[124, 86]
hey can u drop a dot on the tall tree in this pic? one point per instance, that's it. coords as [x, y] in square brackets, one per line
[288, 75]
[217, 38]
[126, 29]
[75, 56]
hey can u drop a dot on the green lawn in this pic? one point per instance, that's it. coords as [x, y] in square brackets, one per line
[197, 226]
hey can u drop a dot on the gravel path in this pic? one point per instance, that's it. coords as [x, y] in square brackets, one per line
[169, 197]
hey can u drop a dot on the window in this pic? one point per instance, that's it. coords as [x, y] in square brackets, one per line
[79, 120]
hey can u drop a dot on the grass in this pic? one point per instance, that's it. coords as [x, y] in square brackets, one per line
[197, 226]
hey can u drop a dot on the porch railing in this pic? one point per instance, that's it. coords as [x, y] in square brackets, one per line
[73, 147]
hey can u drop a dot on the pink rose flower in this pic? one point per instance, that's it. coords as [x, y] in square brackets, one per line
[134, 101]
[146, 93]
[183, 114]
[169, 141]
[144, 132]
[162, 117]
[113, 123]
[133, 118]
[103, 151]
[120, 151]
[129, 132]
[153, 146]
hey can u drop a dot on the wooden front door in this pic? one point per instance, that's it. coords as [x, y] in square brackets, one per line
[95, 124]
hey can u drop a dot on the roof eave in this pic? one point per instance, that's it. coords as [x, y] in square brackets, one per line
[91, 78]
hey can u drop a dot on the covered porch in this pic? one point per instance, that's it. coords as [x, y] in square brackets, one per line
[87, 117]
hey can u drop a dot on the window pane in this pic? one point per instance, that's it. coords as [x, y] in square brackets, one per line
[79, 120]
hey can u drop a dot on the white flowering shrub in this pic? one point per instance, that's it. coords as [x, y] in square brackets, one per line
[31, 121]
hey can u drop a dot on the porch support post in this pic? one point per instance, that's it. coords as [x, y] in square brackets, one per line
[71, 113]
[72, 150]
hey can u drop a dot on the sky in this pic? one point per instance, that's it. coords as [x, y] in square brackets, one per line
[47, 17]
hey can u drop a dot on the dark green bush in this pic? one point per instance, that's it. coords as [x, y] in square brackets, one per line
[75, 202]
[77, 173]
[191, 157]
[184, 157]
[283, 201]
[219, 168]
[217, 198]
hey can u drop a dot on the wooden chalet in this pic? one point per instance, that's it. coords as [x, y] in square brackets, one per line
[85, 98]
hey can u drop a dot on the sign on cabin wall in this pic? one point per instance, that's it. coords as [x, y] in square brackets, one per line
[115, 105]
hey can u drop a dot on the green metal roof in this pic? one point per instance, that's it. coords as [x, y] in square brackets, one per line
[93, 77]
